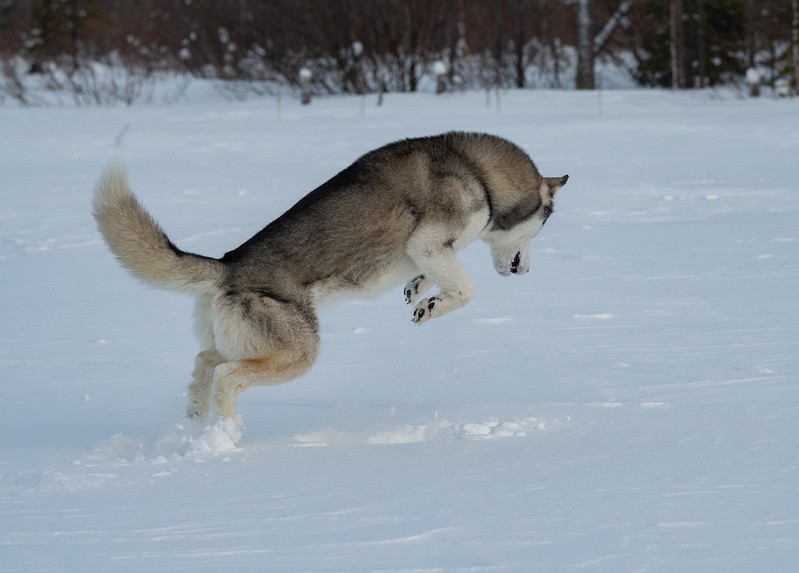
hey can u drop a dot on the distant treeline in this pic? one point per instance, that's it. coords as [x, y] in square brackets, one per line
[361, 46]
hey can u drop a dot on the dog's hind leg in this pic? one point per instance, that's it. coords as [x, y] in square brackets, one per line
[200, 389]
[232, 378]
[274, 340]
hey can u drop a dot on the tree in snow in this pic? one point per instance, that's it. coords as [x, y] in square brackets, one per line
[675, 48]
[56, 30]
[585, 46]
[795, 42]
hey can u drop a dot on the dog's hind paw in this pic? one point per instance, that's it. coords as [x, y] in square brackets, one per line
[416, 287]
[425, 309]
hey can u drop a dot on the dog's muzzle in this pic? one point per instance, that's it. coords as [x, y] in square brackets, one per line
[510, 261]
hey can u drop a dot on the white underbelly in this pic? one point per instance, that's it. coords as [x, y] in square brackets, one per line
[336, 288]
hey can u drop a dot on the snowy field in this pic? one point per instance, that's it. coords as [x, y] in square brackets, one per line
[632, 404]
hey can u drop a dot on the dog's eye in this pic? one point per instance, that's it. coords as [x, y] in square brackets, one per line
[547, 211]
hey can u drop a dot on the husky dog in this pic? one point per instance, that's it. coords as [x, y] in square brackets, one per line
[399, 212]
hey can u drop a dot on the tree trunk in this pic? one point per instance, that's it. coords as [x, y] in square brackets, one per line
[795, 42]
[585, 47]
[751, 45]
[498, 49]
[73, 22]
[615, 21]
[674, 40]
[520, 41]
[701, 46]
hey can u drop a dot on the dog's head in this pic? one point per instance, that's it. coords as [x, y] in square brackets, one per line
[510, 244]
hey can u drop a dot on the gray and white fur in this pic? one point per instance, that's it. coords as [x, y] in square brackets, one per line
[399, 212]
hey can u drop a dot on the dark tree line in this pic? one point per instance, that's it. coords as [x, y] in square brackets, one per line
[696, 43]
[360, 46]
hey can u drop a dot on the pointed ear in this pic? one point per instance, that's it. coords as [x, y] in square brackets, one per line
[555, 183]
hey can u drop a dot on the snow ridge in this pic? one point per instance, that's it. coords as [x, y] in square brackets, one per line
[194, 442]
[438, 430]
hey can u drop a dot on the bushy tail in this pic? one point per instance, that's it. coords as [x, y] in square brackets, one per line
[142, 246]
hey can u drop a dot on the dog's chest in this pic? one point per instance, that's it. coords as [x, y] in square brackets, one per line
[475, 225]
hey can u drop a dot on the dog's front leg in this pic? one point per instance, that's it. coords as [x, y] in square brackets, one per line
[440, 304]
[440, 265]
[416, 287]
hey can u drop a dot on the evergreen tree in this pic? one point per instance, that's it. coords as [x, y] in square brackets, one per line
[712, 43]
[56, 31]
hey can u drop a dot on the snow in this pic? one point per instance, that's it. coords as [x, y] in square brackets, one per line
[631, 404]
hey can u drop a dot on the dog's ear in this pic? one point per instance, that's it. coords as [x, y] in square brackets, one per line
[554, 184]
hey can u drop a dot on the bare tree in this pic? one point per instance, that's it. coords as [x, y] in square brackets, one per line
[701, 46]
[617, 20]
[674, 26]
[795, 42]
[585, 46]
[357, 46]
[519, 42]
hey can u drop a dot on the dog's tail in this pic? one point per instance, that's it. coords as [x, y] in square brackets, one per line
[142, 246]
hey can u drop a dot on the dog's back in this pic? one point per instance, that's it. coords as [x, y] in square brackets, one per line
[350, 235]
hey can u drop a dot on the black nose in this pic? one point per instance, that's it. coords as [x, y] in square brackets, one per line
[514, 265]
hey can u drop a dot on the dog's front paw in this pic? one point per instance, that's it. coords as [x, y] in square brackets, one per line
[425, 309]
[415, 288]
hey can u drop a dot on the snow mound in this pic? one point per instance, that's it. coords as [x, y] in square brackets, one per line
[189, 440]
[185, 440]
[119, 448]
[438, 430]
[218, 438]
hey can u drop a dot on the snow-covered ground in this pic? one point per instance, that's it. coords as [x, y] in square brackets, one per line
[632, 404]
